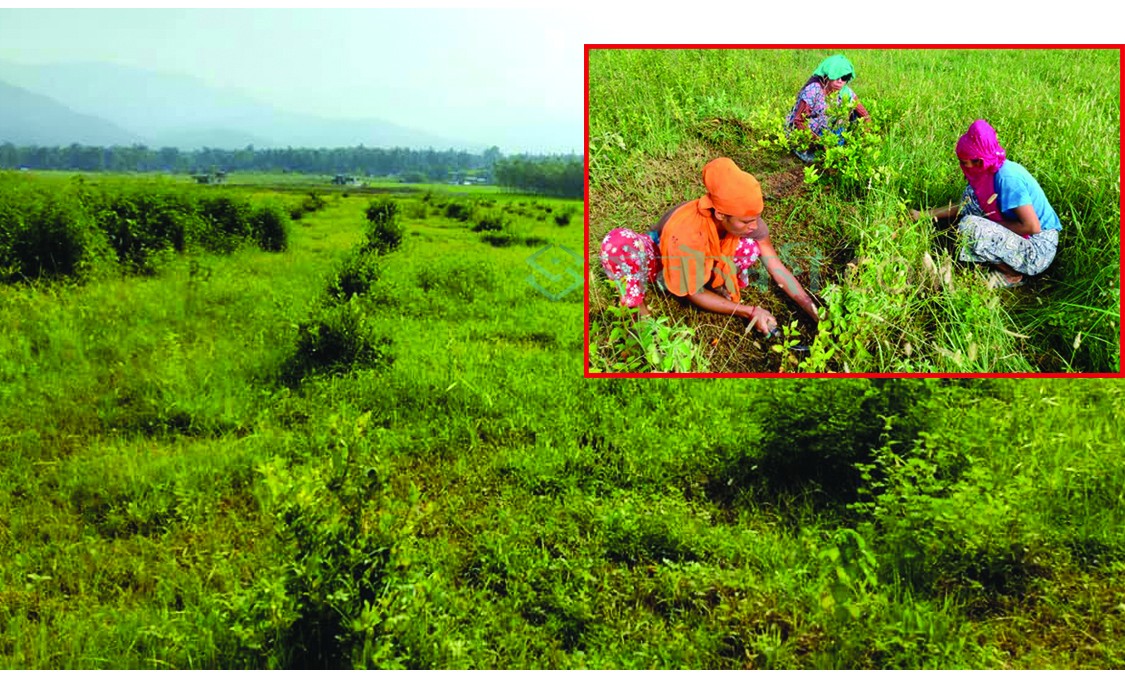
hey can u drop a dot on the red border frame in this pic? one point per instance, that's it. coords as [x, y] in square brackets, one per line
[828, 45]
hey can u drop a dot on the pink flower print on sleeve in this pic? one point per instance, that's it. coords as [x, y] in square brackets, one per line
[745, 257]
[629, 259]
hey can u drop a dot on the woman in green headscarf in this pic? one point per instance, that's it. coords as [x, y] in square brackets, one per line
[829, 82]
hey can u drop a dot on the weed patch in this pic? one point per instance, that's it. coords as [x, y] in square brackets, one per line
[340, 339]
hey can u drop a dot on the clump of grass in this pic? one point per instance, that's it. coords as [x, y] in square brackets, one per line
[356, 276]
[489, 222]
[311, 203]
[270, 227]
[384, 231]
[340, 339]
[464, 280]
[457, 210]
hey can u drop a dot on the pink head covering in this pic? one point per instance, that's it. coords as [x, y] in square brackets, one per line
[980, 142]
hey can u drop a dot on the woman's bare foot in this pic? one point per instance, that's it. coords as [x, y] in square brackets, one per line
[1010, 275]
[1001, 279]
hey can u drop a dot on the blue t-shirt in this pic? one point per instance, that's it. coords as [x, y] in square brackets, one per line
[1016, 187]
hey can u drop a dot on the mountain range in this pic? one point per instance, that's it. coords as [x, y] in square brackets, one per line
[107, 104]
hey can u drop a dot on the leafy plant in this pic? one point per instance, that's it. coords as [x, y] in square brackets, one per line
[270, 227]
[383, 210]
[339, 339]
[356, 276]
[651, 344]
[457, 210]
[54, 238]
[339, 601]
[563, 217]
[669, 348]
[228, 218]
[850, 580]
[384, 232]
[490, 222]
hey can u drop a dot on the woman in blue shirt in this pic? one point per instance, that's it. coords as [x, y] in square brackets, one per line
[1006, 221]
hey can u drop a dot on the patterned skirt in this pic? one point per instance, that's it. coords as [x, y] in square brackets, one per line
[986, 241]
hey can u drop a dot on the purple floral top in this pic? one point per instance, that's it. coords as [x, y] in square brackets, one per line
[812, 106]
[816, 104]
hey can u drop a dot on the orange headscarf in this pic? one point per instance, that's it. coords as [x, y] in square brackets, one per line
[690, 245]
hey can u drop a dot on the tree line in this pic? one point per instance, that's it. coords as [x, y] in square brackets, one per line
[559, 175]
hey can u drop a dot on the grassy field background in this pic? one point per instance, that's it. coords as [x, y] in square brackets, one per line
[899, 301]
[376, 448]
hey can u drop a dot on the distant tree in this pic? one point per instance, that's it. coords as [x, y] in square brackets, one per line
[561, 176]
[9, 156]
[491, 156]
[169, 159]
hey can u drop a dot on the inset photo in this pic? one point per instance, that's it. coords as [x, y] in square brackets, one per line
[836, 211]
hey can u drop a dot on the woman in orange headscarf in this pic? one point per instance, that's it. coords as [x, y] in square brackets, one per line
[706, 249]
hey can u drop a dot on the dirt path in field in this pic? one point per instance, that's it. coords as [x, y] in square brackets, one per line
[807, 247]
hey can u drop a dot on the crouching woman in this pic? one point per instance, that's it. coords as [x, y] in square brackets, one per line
[1006, 221]
[704, 250]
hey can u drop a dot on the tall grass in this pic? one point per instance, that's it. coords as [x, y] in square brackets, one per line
[181, 487]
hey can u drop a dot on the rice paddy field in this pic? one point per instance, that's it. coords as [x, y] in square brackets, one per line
[898, 301]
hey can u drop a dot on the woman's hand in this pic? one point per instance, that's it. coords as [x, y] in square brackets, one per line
[762, 320]
[947, 212]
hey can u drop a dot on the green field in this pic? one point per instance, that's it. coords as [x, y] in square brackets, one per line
[897, 300]
[375, 448]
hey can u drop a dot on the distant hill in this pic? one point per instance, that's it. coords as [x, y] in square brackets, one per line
[27, 118]
[224, 139]
[184, 112]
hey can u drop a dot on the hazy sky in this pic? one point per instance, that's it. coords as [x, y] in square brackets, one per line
[511, 77]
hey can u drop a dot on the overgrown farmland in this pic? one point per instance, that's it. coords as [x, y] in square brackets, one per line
[374, 447]
[897, 300]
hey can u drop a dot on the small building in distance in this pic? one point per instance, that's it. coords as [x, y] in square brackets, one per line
[464, 178]
[210, 178]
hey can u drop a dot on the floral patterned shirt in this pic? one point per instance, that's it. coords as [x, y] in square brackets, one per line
[811, 109]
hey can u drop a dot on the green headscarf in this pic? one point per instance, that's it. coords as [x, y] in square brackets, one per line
[834, 67]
